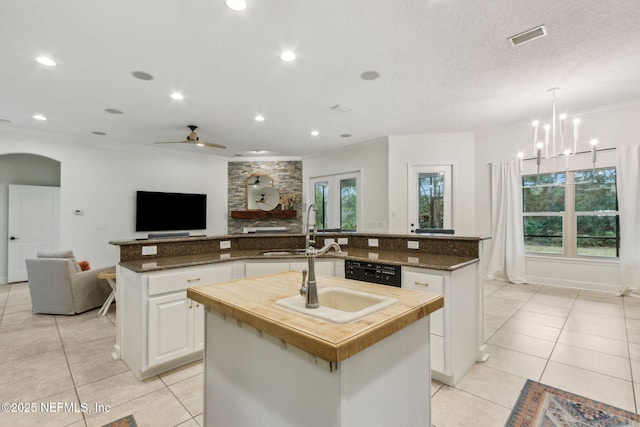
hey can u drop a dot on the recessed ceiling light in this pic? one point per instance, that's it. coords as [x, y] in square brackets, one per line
[370, 75]
[259, 118]
[113, 111]
[39, 117]
[315, 133]
[288, 56]
[177, 96]
[142, 75]
[97, 132]
[45, 60]
[237, 5]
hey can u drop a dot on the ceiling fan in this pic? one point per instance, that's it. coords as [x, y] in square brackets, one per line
[193, 138]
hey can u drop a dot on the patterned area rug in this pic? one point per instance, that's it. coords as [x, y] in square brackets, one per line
[127, 421]
[541, 405]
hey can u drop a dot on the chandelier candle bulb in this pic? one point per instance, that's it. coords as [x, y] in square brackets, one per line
[535, 135]
[593, 143]
[562, 119]
[547, 127]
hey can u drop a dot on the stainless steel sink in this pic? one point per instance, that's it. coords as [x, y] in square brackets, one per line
[282, 252]
[339, 305]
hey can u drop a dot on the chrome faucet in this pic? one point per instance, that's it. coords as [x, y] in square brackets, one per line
[309, 242]
[309, 289]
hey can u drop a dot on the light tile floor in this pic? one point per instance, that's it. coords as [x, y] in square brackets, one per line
[581, 341]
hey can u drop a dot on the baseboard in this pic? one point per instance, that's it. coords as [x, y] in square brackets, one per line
[574, 284]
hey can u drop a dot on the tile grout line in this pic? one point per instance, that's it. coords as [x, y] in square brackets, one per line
[66, 358]
[564, 324]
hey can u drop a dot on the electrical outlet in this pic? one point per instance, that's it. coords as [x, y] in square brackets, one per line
[373, 243]
[343, 240]
[225, 244]
[411, 244]
[149, 250]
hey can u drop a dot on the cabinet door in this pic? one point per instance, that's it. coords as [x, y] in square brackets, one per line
[427, 283]
[170, 328]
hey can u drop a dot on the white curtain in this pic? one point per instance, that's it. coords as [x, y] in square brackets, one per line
[506, 261]
[628, 171]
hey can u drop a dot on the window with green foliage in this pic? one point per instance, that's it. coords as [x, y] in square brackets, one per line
[431, 200]
[571, 213]
[336, 201]
[348, 205]
[322, 204]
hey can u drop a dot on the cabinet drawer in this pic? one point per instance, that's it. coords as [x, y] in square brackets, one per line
[427, 283]
[180, 280]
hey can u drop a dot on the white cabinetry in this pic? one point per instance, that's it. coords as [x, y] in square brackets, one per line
[160, 328]
[454, 331]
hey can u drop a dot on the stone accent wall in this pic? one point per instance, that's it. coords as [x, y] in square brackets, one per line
[287, 178]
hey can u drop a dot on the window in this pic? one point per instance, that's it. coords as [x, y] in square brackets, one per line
[430, 197]
[573, 214]
[431, 200]
[336, 200]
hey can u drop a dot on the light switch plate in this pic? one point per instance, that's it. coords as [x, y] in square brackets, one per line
[149, 250]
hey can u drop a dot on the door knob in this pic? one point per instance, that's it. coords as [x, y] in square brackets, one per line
[14, 238]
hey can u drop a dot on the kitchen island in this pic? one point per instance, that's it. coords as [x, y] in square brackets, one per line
[266, 365]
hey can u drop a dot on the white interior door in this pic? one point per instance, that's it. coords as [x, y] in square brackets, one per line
[34, 222]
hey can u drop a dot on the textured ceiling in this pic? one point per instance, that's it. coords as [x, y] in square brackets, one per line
[445, 66]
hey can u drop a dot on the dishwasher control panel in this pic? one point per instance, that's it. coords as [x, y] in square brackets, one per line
[373, 272]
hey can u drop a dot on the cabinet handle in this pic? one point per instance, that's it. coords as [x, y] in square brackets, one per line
[190, 304]
[425, 284]
[195, 279]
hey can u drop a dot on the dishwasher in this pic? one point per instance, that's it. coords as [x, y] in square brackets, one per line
[373, 272]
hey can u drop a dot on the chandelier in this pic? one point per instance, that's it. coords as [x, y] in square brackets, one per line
[556, 143]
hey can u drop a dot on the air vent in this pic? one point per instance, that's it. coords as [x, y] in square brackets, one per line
[532, 34]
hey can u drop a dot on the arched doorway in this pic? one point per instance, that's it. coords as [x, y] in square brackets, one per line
[21, 169]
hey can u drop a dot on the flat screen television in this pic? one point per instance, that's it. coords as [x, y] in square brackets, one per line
[156, 211]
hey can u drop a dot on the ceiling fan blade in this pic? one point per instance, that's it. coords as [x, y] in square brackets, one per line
[210, 144]
[173, 142]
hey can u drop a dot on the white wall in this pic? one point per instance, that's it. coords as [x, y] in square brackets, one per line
[457, 149]
[371, 159]
[613, 127]
[102, 182]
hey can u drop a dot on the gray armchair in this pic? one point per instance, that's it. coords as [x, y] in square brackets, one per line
[58, 286]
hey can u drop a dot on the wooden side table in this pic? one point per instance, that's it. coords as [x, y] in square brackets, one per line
[110, 277]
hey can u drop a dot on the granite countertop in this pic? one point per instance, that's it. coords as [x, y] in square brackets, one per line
[413, 259]
[252, 301]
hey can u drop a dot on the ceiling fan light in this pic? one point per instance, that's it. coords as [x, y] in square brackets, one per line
[237, 5]
[45, 60]
[288, 56]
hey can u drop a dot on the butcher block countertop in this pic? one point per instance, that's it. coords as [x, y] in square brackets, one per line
[252, 301]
